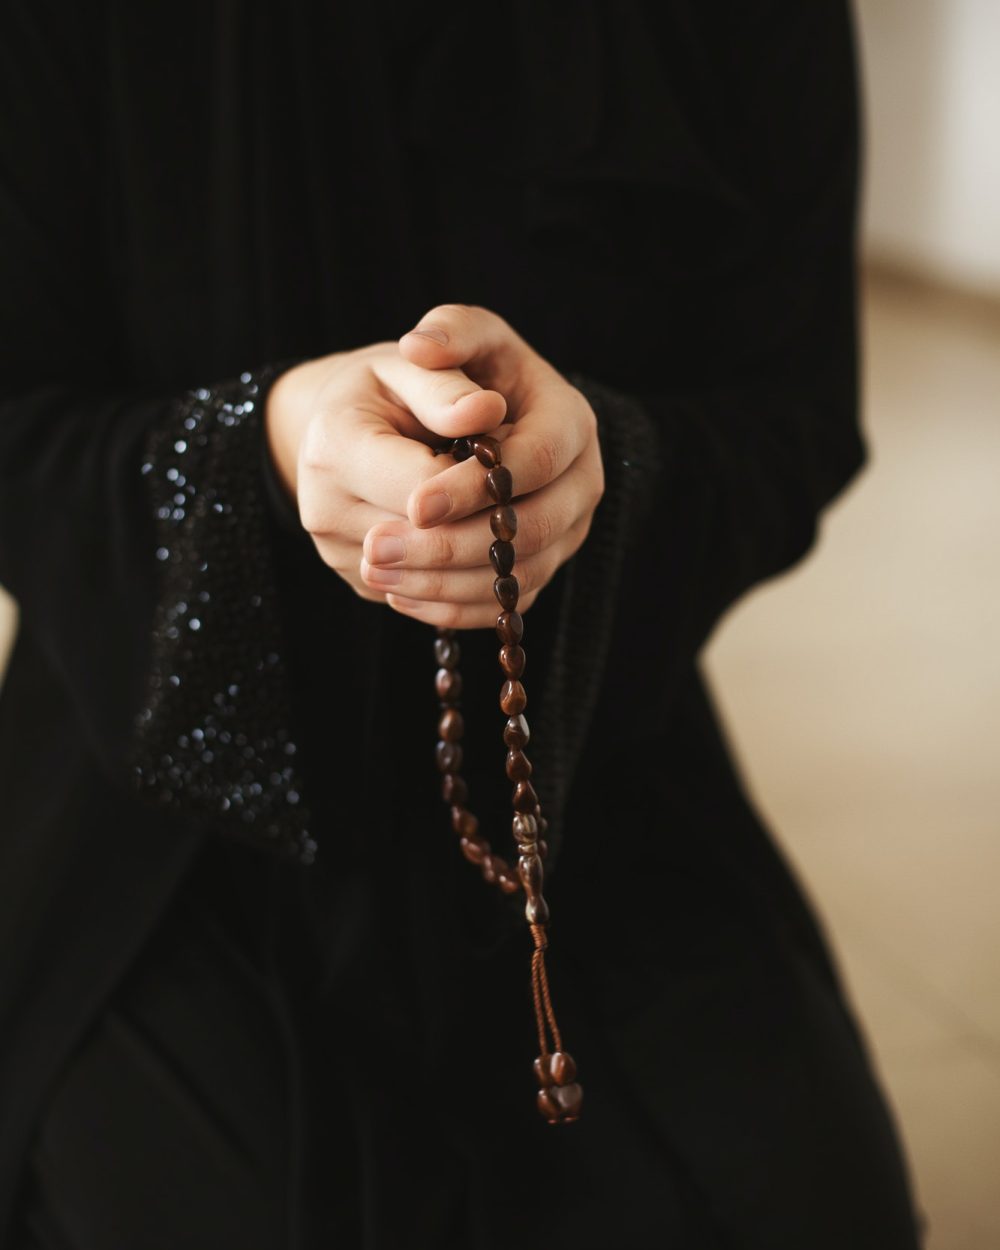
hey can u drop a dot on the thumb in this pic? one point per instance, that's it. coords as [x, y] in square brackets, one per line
[464, 336]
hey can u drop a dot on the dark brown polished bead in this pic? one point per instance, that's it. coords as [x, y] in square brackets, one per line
[543, 849]
[475, 850]
[513, 699]
[537, 911]
[518, 766]
[525, 799]
[502, 869]
[500, 484]
[531, 873]
[516, 732]
[461, 449]
[451, 726]
[447, 652]
[506, 590]
[488, 867]
[449, 756]
[562, 1065]
[464, 822]
[503, 522]
[525, 828]
[543, 1074]
[508, 883]
[510, 628]
[570, 1100]
[512, 660]
[486, 450]
[448, 684]
[453, 788]
[548, 1106]
[502, 556]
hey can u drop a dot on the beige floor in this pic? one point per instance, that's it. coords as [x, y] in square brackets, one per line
[863, 691]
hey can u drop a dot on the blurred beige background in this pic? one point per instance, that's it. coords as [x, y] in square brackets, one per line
[862, 690]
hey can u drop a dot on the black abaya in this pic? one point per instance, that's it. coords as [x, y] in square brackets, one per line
[204, 1043]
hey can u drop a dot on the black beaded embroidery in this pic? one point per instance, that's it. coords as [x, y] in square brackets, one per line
[214, 735]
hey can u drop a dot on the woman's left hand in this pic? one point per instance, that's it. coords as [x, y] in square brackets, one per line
[550, 445]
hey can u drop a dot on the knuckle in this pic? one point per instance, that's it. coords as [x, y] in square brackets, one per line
[443, 549]
[315, 453]
[546, 454]
[449, 615]
[540, 532]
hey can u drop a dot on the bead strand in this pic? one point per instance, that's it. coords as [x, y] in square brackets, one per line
[559, 1095]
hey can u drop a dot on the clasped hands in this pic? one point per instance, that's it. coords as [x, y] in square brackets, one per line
[352, 437]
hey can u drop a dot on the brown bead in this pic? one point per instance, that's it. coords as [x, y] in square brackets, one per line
[516, 732]
[488, 868]
[447, 652]
[525, 799]
[569, 1099]
[448, 684]
[486, 450]
[509, 884]
[518, 766]
[525, 828]
[513, 699]
[461, 449]
[536, 911]
[543, 849]
[500, 484]
[510, 627]
[503, 522]
[512, 660]
[543, 825]
[474, 849]
[453, 788]
[451, 725]
[502, 556]
[562, 1066]
[548, 1106]
[543, 1074]
[502, 869]
[531, 873]
[449, 756]
[506, 590]
[464, 822]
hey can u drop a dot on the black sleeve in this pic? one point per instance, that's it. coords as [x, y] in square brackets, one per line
[726, 482]
[714, 485]
[136, 524]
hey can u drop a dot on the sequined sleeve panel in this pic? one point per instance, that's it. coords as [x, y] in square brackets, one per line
[215, 736]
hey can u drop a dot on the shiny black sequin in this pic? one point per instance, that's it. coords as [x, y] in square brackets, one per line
[214, 737]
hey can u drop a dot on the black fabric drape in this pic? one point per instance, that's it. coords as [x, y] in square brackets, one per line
[661, 199]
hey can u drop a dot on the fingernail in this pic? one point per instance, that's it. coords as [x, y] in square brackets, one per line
[431, 332]
[433, 508]
[401, 601]
[387, 550]
[384, 577]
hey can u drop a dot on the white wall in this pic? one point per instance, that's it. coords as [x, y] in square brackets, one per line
[932, 85]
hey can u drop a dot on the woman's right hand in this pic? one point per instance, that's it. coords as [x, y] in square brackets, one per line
[351, 435]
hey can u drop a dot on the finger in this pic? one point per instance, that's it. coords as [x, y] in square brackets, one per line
[355, 451]
[454, 615]
[542, 518]
[475, 585]
[556, 428]
[446, 402]
[469, 337]
[335, 515]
